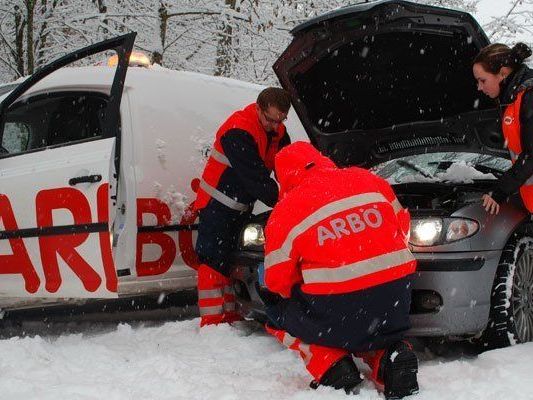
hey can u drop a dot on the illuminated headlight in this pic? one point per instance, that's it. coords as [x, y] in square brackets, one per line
[434, 231]
[425, 232]
[253, 235]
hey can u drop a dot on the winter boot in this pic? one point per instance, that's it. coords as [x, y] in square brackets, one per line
[398, 369]
[341, 375]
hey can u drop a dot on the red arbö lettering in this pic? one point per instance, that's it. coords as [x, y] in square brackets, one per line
[64, 245]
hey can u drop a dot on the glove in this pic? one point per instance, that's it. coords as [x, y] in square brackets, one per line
[267, 297]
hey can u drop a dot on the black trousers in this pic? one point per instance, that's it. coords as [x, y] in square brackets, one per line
[365, 320]
[218, 235]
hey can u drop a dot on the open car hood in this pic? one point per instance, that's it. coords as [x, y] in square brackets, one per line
[389, 78]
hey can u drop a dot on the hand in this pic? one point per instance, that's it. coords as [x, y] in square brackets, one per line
[490, 205]
[267, 297]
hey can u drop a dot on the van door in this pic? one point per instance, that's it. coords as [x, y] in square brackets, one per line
[58, 177]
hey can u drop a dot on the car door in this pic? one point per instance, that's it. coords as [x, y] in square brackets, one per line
[58, 177]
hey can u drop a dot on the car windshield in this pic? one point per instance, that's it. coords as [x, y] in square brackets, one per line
[442, 167]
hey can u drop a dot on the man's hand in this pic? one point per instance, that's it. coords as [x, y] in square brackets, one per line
[490, 205]
[269, 298]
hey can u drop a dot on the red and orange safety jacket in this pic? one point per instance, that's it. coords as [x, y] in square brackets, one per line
[517, 127]
[512, 131]
[341, 231]
[223, 184]
[336, 249]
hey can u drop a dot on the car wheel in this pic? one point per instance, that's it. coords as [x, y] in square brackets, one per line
[511, 312]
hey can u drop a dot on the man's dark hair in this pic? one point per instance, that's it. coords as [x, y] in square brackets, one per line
[276, 97]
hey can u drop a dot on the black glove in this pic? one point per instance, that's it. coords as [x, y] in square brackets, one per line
[267, 297]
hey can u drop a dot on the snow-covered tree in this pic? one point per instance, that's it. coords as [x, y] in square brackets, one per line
[235, 38]
[517, 19]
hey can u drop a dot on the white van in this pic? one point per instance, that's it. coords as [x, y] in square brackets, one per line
[97, 169]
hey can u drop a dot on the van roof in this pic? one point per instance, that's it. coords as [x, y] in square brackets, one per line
[99, 78]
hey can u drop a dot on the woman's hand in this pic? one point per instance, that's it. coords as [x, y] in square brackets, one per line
[490, 205]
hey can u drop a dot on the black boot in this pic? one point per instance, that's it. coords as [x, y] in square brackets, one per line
[399, 366]
[341, 375]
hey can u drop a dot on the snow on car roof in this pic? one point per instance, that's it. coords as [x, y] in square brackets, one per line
[207, 93]
[101, 77]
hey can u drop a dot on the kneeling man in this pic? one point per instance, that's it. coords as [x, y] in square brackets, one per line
[336, 253]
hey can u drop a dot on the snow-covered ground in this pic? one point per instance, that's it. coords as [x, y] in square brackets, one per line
[176, 360]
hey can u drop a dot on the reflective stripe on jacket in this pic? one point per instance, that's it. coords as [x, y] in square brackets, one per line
[339, 231]
[246, 120]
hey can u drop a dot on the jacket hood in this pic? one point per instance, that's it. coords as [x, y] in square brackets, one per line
[295, 162]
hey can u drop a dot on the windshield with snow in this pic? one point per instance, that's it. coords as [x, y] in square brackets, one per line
[442, 167]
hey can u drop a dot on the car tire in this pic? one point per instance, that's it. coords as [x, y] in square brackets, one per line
[511, 311]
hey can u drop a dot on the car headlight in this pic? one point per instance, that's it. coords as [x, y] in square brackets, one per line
[425, 232]
[253, 235]
[434, 231]
[460, 228]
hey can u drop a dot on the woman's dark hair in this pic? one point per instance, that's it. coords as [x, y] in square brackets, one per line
[273, 96]
[497, 55]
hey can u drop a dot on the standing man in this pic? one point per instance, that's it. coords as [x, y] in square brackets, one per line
[237, 174]
[336, 252]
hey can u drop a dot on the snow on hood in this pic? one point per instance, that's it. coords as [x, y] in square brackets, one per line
[461, 172]
[458, 172]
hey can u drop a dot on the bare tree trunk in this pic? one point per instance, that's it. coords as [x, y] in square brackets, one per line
[46, 10]
[19, 41]
[102, 9]
[157, 56]
[223, 61]
[30, 57]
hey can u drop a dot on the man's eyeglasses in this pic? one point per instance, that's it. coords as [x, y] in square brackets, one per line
[273, 120]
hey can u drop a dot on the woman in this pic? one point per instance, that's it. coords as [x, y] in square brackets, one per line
[501, 74]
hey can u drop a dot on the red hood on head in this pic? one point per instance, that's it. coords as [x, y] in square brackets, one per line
[294, 162]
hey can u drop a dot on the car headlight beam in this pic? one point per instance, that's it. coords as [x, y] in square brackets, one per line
[425, 232]
[253, 235]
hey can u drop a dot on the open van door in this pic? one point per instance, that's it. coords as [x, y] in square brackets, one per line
[59, 163]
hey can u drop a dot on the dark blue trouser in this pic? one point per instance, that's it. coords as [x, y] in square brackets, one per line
[361, 321]
[218, 235]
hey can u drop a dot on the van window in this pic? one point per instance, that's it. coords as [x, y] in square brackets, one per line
[52, 120]
[16, 137]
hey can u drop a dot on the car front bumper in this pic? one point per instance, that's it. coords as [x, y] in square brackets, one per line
[461, 280]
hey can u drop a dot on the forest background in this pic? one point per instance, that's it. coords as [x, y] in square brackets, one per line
[233, 38]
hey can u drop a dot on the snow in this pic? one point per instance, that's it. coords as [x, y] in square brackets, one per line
[462, 172]
[176, 360]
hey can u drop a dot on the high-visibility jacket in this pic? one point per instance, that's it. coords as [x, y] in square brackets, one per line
[336, 243]
[517, 126]
[341, 231]
[246, 120]
[512, 132]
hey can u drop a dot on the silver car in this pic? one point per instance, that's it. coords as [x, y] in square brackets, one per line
[388, 85]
